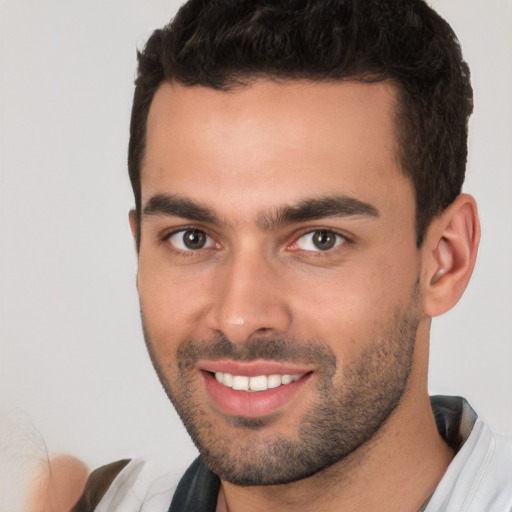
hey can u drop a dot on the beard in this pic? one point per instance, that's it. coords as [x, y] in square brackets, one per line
[347, 410]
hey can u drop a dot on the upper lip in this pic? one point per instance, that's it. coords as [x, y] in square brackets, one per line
[253, 368]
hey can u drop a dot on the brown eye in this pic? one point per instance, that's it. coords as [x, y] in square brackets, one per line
[324, 240]
[191, 240]
[319, 240]
[194, 239]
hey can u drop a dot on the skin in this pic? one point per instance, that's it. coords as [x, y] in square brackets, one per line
[58, 486]
[244, 154]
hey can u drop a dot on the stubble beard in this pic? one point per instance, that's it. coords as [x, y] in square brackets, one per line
[348, 409]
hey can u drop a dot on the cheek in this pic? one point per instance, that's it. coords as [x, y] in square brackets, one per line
[171, 304]
[346, 307]
[338, 311]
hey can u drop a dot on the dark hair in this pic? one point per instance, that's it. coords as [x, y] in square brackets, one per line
[227, 43]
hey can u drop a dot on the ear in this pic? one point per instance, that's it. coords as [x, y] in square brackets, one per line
[135, 228]
[449, 255]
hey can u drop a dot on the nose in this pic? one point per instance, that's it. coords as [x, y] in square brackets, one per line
[248, 300]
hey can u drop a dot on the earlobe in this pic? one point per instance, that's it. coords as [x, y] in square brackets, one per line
[449, 255]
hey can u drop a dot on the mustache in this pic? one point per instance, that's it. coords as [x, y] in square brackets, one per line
[272, 349]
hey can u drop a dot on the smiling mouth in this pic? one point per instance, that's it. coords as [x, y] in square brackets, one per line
[252, 389]
[256, 383]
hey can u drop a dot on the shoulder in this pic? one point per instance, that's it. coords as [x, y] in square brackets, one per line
[493, 491]
[127, 485]
[97, 485]
[480, 475]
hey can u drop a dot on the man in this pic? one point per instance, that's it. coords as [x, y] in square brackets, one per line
[297, 169]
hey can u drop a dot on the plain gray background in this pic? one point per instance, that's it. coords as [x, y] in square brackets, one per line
[72, 357]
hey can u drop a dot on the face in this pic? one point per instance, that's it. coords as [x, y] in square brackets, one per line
[278, 271]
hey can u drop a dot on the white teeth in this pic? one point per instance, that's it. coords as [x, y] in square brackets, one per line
[257, 383]
[240, 382]
[286, 379]
[274, 381]
[227, 380]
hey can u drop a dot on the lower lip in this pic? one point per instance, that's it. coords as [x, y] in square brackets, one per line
[255, 404]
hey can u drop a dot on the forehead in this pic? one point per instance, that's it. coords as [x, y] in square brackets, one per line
[272, 143]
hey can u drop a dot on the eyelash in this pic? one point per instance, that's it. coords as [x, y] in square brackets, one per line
[316, 253]
[166, 237]
[319, 253]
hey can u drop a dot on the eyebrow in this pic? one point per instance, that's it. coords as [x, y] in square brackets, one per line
[177, 206]
[318, 208]
[305, 210]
